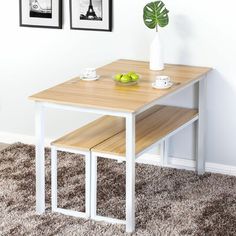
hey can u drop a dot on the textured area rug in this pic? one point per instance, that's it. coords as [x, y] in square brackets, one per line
[169, 201]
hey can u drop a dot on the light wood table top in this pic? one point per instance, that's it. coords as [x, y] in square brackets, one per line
[105, 94]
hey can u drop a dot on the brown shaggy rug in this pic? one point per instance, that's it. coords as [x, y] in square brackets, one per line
[169, 201]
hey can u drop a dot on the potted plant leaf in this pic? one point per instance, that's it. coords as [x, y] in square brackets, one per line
[155, 15]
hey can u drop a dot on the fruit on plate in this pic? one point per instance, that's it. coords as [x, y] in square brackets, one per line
[134, 77]
[118, 77]
[127, 78]
[131, 73]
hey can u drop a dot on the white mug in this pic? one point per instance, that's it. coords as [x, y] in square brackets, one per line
[162, 81]
[90, 73]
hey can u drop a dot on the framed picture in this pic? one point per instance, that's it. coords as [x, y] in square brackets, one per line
[91, 15]
[41, 13]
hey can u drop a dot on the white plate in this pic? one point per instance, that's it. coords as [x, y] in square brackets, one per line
[90, 79]
[166, 87]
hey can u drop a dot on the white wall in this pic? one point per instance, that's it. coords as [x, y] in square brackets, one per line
[200, 33]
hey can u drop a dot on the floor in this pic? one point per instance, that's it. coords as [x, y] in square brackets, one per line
[3, 145]
[168, 201]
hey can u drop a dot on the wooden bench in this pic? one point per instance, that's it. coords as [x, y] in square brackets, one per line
[96, 132]
[105, 137]
[81, 141]
[151, 130]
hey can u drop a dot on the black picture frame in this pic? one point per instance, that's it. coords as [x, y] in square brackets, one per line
[110, 19]
[60, 19]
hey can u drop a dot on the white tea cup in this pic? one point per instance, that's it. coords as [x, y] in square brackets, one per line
[90, 73]
[162, 81]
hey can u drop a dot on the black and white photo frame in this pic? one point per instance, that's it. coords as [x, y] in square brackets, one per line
[91, 15]
[41, 13]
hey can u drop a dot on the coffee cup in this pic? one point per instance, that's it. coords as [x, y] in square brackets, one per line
[90, 73]
[162, 81]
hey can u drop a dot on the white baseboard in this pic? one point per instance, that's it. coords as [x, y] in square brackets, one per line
[187, 164]
[10, 138]
[148, 158]
[220, 168]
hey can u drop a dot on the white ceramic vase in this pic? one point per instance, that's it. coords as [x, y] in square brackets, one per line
[156, 54]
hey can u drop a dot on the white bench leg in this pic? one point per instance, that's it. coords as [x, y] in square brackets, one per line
[94, 215]
[54, 183]
[88, 184]
[94, 186]
[54, 178]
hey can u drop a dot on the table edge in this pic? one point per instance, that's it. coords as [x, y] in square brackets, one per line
[197, 79]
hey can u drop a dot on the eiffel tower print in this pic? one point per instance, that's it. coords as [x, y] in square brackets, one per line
[90, 13]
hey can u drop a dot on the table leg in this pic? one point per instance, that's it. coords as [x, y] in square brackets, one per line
[40, 159]
[201, 127]
[130, 173]
[166, 152]
[162, 153]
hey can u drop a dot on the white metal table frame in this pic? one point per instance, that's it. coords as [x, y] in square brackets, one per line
[130, 145]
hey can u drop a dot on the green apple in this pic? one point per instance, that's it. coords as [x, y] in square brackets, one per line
[118, 77]
[125, 79]
[134, 77]
[130, 73]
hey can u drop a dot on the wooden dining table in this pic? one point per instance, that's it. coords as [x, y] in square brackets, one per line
[105, 97]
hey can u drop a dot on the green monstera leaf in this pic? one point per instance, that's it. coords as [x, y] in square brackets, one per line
[155, 14]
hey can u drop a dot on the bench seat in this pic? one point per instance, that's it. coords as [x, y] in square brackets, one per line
[149, 130]
[96, 132]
